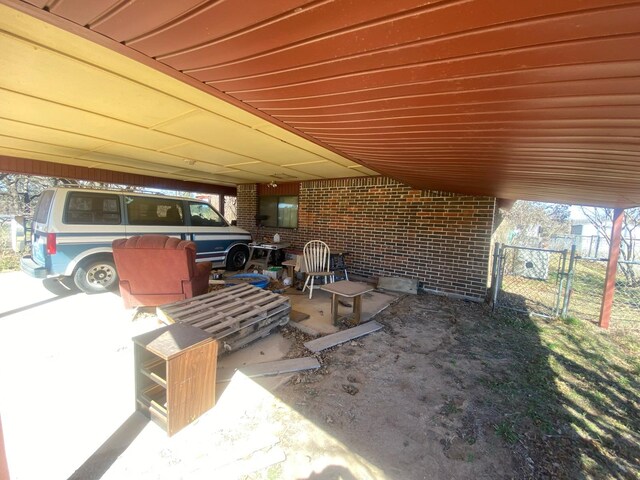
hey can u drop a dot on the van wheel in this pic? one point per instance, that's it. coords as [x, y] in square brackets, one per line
[237, 258]
[96, 276]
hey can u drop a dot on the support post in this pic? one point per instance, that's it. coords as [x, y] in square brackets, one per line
[221, 203]
[612, 266]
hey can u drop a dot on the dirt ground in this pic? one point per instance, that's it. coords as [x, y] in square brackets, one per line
[450, 389]
[447, 389]
[406, 398]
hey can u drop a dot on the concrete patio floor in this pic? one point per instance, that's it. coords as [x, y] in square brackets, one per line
[67, 393]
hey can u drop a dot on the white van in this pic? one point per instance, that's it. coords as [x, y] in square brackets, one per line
[73, 228]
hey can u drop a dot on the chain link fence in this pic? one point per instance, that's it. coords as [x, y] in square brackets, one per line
[530, 279]
[587, 287]
[558, 282]
[592, 246]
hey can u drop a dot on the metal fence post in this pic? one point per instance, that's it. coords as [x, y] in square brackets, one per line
[561, 282]
[495, 274]
[569, 285]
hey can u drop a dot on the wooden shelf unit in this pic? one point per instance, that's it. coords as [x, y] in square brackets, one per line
[175, 375]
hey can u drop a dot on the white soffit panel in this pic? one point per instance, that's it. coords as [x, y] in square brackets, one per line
[72, 101]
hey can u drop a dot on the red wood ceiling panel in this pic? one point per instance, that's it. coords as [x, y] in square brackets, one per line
[588, 53]
[547, 78]
[214, 20]
[443, 115]
[142, 17]
[38, 3]
[508, 98]
[300, 28]
[82, 12]
[417, 38]
[287, 188]
[572, 92]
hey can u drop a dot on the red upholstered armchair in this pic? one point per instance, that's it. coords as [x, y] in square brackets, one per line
[157, 269]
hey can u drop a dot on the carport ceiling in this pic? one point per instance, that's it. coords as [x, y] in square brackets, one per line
[515, 99]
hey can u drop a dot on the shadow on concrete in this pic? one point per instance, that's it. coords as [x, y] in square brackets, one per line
[52, 285]
[97, 464]
[62, 287]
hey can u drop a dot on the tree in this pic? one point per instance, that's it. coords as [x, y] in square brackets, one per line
[230, 208]
[533, 224]
[19, 193]
[558, 213]
[602, 220]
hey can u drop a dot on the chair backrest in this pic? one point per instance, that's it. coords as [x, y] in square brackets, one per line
[154, 263]
[316, 256]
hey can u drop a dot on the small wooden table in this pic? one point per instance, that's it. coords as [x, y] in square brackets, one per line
[348, 289]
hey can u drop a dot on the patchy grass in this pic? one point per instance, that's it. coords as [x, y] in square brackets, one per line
[505, 430]
[596, 376]
[450, 408]
[570, 397]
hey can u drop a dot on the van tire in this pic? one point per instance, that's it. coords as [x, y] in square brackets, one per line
[96, 275]
[237, 258]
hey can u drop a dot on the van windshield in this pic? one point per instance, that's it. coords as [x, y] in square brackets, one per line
[203, 215]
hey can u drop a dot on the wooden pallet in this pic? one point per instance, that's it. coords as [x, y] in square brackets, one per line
[234, 315]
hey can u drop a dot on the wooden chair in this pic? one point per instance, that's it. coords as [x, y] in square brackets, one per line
[316, 260]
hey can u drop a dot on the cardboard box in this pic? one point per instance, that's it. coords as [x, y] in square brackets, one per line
[274, 272]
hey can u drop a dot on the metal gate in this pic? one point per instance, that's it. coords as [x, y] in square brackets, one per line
[532, 280]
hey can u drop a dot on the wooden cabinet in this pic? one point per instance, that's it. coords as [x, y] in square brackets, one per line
[175, 375]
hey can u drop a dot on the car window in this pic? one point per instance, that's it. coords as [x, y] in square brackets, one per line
[42, 210]
[154, 211]
[203, 215]
[92, 209]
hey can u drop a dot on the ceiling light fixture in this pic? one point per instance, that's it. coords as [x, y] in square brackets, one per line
[273, 184]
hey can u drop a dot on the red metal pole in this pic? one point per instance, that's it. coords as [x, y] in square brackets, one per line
[612, 266]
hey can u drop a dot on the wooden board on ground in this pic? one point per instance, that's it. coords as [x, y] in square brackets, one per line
[398, 284]
[334, 339]
[277, 367]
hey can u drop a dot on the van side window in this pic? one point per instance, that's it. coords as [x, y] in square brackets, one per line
[87, 208]
[203, 215]
[154, 211]
[42, 210]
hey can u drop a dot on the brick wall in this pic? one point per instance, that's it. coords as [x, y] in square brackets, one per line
[389, 229]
